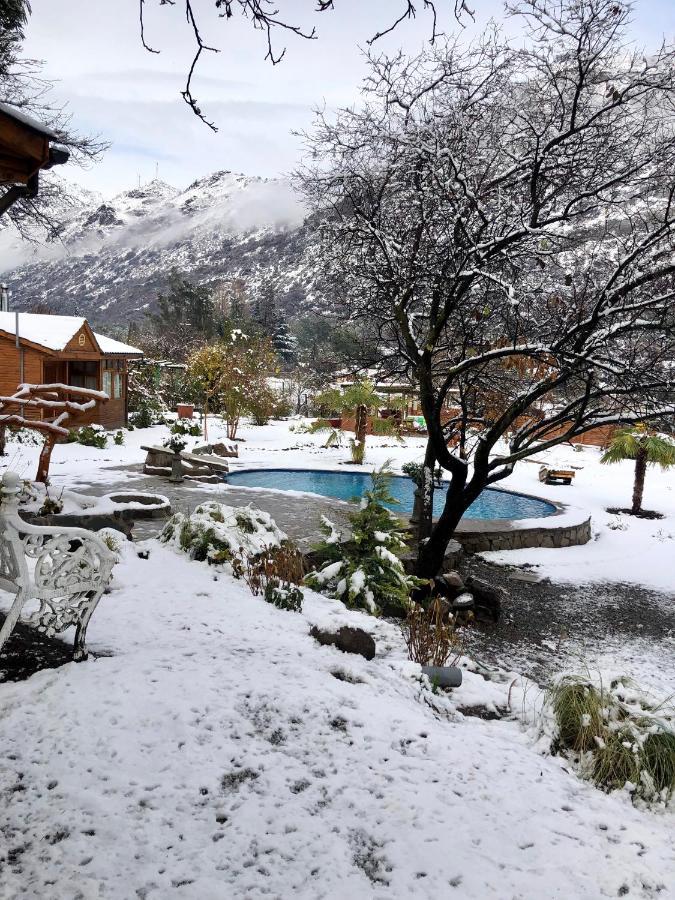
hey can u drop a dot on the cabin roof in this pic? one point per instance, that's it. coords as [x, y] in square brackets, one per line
[14, 113]
[56, 332]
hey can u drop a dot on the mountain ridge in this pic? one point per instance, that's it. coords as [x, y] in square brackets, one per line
[112, 256]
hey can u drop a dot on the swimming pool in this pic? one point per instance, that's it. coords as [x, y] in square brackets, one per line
[492, 503]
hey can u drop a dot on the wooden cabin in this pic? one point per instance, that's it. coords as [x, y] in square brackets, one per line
[47, 349]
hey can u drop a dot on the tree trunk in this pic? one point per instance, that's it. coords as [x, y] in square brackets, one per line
[232, 425]
[426, 491]
[45, 458]
[206, 415]
[361, 424]
[3, 438]
[431, 552]
[639, 483]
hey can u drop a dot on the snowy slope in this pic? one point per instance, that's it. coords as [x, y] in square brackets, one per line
[219, 752]
[113, 255]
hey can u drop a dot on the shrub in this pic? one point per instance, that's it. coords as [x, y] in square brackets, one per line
[284, 597]
[51, 506]
[617, 736]
[118, 438]
[388, 427]
[146, 414]
[191, 429]
[365, 570]
[222, 535]
[282, 408]
[276, 573]
[89, 436]
[429, 633]
[175, 443]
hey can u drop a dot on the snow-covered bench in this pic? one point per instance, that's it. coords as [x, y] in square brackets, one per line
[158, 462]
[64, 569]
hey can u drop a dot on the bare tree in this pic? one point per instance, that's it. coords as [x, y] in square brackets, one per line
[269, 17]
[502, 218]
[24, 88]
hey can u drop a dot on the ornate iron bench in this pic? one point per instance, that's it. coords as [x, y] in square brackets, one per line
[64, 569]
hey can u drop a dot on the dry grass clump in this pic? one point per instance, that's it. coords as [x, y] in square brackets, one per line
[430, 634]
[619, 737]
[276, 573]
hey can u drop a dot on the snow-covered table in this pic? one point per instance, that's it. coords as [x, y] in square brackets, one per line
[64, 569]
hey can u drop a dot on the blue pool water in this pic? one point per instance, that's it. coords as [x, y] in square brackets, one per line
[492, 503]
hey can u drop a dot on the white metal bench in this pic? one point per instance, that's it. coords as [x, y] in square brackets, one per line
[64, 569]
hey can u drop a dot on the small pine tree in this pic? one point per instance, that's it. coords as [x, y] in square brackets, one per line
[365, 570]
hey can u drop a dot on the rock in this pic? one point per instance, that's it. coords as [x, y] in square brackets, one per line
[453, 554]
[349, 640]
[89, 521]
[453, 580]
[463, 601]
[487, 598]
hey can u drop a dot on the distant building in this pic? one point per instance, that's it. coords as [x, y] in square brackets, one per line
[46, 349]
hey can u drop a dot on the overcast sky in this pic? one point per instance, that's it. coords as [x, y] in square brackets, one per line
[132, 98]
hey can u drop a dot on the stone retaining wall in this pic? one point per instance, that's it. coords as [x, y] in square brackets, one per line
[520, 538]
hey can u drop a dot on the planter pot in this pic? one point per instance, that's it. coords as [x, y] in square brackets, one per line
[443, 676]
[185, 410]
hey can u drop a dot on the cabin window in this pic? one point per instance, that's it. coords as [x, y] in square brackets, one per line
[83, 374]
[117, 386]
[107, 382]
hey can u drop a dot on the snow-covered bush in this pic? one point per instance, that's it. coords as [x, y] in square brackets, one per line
[365, 569]
[616, 735]
[189, 429]
[89, 436]
[222, 534]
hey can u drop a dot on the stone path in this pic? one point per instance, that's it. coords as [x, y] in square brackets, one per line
[299, 517]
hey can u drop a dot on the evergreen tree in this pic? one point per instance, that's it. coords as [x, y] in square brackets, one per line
[365, 569]
[185, 306]
[264, 310]
[284, 342]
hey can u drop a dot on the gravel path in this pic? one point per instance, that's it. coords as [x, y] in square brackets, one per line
[548, 627]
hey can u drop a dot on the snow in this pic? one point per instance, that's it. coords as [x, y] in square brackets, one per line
[52, 332]
[108, 345]
[55, 332]
[213, 753]
[210, 748]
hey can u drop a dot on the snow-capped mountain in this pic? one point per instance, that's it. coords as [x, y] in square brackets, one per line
[113, 256]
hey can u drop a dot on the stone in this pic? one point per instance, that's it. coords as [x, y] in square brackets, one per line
[487, 598]
[349, 640]
[454, 580]
[463, 601]
[528, 577]
[453, 554]
[444, 588]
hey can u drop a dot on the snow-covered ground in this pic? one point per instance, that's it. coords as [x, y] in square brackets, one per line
[219, 752]
[210, 748]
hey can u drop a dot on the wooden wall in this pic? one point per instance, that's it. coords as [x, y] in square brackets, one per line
[110, 415]
[10, 369]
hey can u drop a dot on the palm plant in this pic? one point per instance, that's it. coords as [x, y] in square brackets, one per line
[359, 398]
[646, 448]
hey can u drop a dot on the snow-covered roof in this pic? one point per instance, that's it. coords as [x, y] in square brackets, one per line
[25, 119]
[56, 332]
[108, 345]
